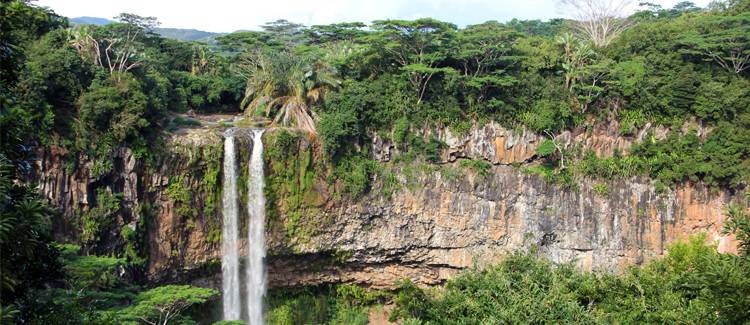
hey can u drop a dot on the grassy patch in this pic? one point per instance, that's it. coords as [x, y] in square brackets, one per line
[481, 167]
[186, 122]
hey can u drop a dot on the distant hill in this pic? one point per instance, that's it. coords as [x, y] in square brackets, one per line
[90, 21]
[173, 33]
[187, 34]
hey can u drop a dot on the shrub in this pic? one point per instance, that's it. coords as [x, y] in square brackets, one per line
[90, 272]
[101, 216]
[189, 122]
[355, 173]
[338, 305]
[401, 131]
[692, 284]
[338, 130]
[601, 190]
[547, 116]
[481, 167]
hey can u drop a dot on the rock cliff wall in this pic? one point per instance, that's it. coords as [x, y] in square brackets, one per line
[436, 221]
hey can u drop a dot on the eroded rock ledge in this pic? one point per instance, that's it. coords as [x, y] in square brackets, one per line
[426, 233]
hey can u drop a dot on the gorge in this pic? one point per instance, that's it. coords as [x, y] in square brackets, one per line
[430, 231]
[400, 171]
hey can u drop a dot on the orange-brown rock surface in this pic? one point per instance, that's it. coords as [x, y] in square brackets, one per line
[427, 232]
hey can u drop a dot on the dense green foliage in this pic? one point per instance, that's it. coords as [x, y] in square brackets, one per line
[347, 81]
[91, 90]
[342, 304]
[678, 68]
[163, 305]
[92, 101]
[28, 258]
[57, 91]
[674, 66]
[692, 284]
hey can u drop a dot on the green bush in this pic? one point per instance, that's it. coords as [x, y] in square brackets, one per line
[481, 167]
[100, 217]
[182, 121]
[546, 148]
[90, 272]
[113, 110]
[338, 130]
[355, 174]
[692, 284]
[339, 305]
[165, 303]
[547, 116]
[401, 131]
[601, 190]
[182, 196]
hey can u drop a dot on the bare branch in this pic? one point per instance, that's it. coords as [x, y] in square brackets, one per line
[599, 21]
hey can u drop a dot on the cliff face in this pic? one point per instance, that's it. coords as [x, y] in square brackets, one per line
[426, 222]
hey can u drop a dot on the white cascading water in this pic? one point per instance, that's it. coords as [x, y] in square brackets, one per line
[230, 268]
[256, 208]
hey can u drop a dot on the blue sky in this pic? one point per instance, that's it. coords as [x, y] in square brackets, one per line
[231, 15]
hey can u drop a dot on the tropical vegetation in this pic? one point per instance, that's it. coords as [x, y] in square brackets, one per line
[675, 81]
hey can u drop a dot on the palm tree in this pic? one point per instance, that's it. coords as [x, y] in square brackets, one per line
[286, 86]
[578, 54]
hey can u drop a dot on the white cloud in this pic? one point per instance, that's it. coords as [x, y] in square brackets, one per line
[230, 15]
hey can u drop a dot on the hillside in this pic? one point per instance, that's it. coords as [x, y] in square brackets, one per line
[180, 34]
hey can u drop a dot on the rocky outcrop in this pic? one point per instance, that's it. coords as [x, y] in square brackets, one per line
[70, 186]
[429, 227]
[177, 235]
[445, 226]
[500, 146]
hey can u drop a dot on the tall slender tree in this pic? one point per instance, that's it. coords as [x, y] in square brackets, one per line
[599, 21]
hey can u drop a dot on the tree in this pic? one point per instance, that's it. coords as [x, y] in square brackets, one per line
[599, 21]
[722, 39]
[20, 24]
[484, 46]
[286, 85]
[738, 223]
[582, 77]
[321, 34]
[203, 59]
[284, 33]
[577, 56]
[137, 24]
[161, 305]
[416, 46]
[110, 107]
[51, 80]
[28, 259]
[537, 27]
[485, 53]
[115, 47]
[238, 42]
[551, 148]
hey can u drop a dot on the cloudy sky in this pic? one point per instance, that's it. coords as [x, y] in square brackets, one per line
[231, 15]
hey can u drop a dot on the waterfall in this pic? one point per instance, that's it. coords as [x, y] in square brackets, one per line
[230, 269]
[256, 208]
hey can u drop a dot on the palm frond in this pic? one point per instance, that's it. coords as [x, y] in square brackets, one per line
[289, 85]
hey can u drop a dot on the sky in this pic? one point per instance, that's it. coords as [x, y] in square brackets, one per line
[232, 15]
